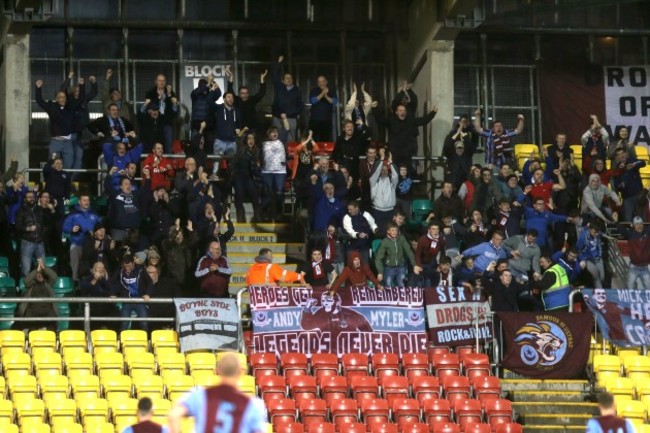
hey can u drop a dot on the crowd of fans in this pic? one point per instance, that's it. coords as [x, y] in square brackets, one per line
[523, 235]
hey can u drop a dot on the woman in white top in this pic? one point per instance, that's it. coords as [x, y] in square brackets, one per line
[274, 170]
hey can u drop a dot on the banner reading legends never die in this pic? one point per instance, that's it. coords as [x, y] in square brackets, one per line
[623, 315]
[453, 317]
[207, 323]
[358, 320]
[546, 345]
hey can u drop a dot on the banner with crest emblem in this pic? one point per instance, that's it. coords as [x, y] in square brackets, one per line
[546, 345]
[356, 320]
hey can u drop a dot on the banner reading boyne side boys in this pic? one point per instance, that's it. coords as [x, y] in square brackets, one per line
[453, 316]
[358, 320]
[207, 323]
[623, 315]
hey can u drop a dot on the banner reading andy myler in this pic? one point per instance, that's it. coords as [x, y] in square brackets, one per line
[358, 320]
[453, 316]
[623, 315]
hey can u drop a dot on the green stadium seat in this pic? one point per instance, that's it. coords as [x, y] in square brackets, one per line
[4, 262]
[420, 208]
[7, 309]
[63, 286]
[7, 287]
[50, 261]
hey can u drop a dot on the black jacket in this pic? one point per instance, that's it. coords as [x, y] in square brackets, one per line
[28, 216]
[247, 108]
[402, 133]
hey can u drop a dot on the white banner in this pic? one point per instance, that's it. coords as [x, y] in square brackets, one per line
[627, 101]
[207, 323]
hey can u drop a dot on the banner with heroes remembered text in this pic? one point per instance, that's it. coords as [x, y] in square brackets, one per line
[357, 320]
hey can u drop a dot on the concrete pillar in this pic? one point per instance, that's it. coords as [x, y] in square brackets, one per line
[15, 94]
[441, 85]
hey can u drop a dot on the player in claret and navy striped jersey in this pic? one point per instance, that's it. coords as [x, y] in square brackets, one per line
[222, 408]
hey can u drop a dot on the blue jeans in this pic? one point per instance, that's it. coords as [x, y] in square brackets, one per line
[141, 310]
[275, 182]
[28, 252]
[78, 152]
[635, 273]
[394, 276]
[224, 148]
[64, 149]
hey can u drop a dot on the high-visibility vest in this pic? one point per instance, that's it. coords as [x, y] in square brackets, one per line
[557, 296]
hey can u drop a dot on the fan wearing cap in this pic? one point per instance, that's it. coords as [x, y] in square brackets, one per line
[638, 242]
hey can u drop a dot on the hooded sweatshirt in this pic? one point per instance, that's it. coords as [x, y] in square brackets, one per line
[354, 277]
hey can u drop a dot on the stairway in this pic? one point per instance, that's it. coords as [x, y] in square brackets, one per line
[550, 406]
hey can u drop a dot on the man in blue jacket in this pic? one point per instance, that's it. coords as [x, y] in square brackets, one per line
[539, 218]
[590, 249]
[76, 225]
[628, 181]
[487, 252]
[287, 103]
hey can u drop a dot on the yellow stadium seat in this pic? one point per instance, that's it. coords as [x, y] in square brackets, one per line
[70, 427]
[187, 425]
[48, 361]
[134, 338]
[62, 410]
[246, 384]
[6, 410]
[243, 361]
[161, 407]
[620, 386]
[141, 361]
[102, 427]
[22, 387]
[177, 385]
[642, 387]
[525, 150]
[70, 339]
[119, 385]
[58, 386]
[3, 388]
[78, 362]
[123, 408]
[151, 387]
[10, 428]
[45, 340]
[604, 376]
[205, 378]
[604, 362]
[35, 426]
[637, 366]
[93, 411]
[645, 176]
[12, 361]
[643, 428]
[103, 340]
[12, 340]
[34, 409]
[171, 362]
[85, 387]
[201, 361]
[642, 153]
[632, 409]
[165, 339]
[109, 361]
[624, 353]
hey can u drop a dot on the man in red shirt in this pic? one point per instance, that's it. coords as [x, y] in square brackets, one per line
[540, 189]
[160, 168]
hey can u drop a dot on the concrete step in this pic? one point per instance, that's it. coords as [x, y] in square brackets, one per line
[263, 227]
[253, 247]
[249, 258]
[548, 396]
[522, 407]
[542, 428]
[556, 419]
[269, 238]
[543, 385]
[240, 268]
[296, 251]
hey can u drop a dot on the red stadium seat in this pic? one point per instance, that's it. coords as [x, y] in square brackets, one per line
[292, 427]
[425, 387]
[384, 427]
[321, 427]
[333, 387]
[272, 387]
[344, 411]
[446, 427]
[364, 387]
[476, 364]
[355, 427]
[456, 387]
[498, 411]
[437, 350]
[385, 364]
[510, 427]
[446, 364]
[466, 411]
[405, 411]
[324, 364]
[263, 364]
[436, 410]
[294, 364]
[477, 427]
[282, 411]
[464, 350]
[486, 387]
[415, 364]
[374, 411]
[416, 427]
[313, 411]
[301, 387]
[395, 387]
[354, 364]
